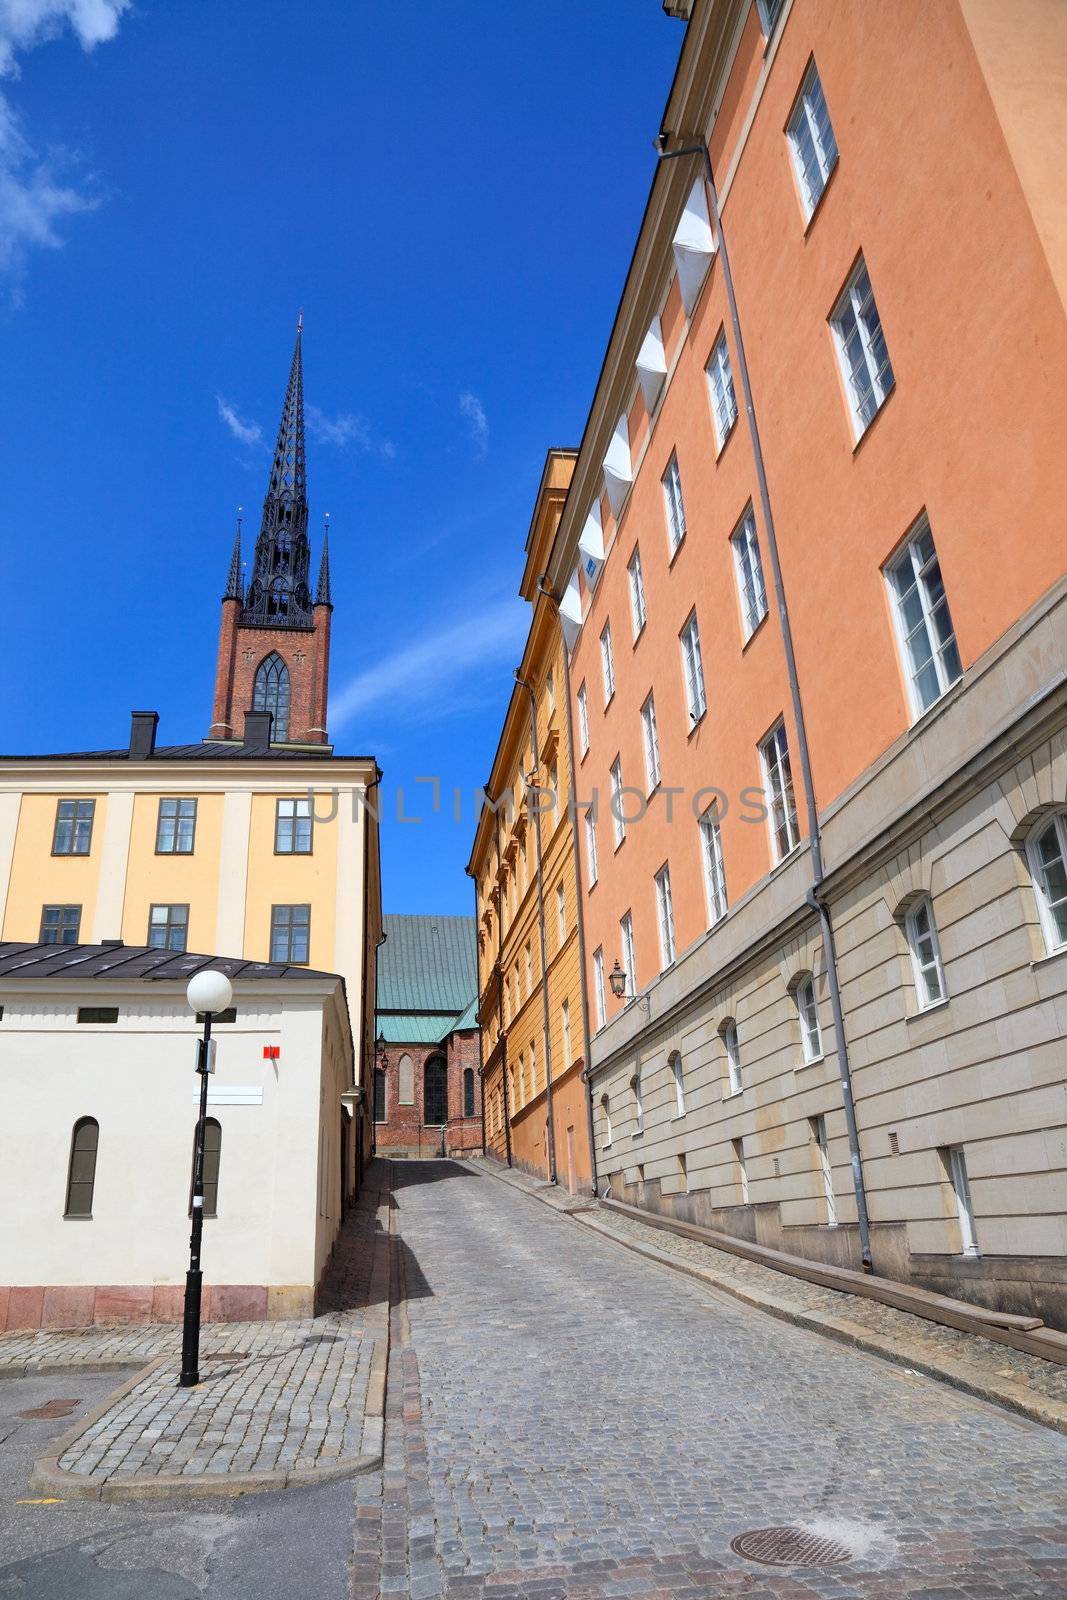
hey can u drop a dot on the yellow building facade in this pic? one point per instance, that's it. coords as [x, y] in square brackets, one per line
[532, 1009]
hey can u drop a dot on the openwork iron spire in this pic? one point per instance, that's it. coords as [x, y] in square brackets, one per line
[322, 593]
[235, 589]
[279, 595]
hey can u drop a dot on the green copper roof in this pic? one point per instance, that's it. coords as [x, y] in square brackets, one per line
[427, 977]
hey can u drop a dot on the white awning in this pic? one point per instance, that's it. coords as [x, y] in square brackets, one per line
[591, 546]
[618, 469]
[694, 245]
[570, 612]
[652, 365]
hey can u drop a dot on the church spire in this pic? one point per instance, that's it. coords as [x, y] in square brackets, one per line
[235, 589]
[279, 595]
[322, 593]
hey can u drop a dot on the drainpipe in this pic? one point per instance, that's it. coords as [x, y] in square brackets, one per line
[501, 1030]
[813, 898]
[572, 806]
[541, 928]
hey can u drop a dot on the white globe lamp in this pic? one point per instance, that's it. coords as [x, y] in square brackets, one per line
[209, 991]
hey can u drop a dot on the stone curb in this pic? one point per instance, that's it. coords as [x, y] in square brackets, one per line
[1002, 1392]
[48, 1477]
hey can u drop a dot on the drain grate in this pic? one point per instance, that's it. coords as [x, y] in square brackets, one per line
[50, 1409]
[789, 1547]
[228, 1355]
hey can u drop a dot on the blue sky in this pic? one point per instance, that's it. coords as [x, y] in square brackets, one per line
[451, 190]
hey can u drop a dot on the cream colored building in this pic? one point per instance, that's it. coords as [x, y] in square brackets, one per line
[99, 1049]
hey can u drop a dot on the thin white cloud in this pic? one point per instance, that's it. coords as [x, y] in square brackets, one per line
[477, 421]
[435, 675]
[247, 433]
[33, 196]
[348, 429]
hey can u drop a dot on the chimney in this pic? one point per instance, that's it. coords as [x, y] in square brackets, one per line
[257, 729]
[143, 734]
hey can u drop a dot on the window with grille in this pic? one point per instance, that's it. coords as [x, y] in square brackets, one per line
[920, 930]
[176, 827]
[379, 1094]
[693, 671]
[468, 1091]
[1047, 856]
[435, 1092]
[723, 395]
[271, 689]
[60, 924]
[97, 1015]
[81, 1173]
[73, 833]
[811, 141]
[808, 1012]
[749, 569]
[778, 788]
[925, 634]
[862, 349]
[292, 828]
[638, 615]
[675, 506]
[290, 934]
[168, 927]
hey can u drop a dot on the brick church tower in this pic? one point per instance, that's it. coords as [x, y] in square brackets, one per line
[274, 640]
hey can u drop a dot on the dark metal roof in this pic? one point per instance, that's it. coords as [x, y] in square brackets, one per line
[117, 960]
[206, 750]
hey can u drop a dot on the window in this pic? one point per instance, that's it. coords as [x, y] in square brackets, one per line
[435, 1092]
[290, 934]
[812, 142]
[1047, 854]
[861, 349]
[808, 1011]
[742, 1169]
[695, 698]
[97, 1014]
[292, 828]
[639, 1103]
[565, 1021]
[468, 1091]
[81, 1173]
[583, 719]
[73, 833]
[648, 724]
[605, 1106]
[629, 965]
[561, 911]
[590, 848]
[826, 1172]
[665, 907]
[550, 690]
[617, 809]
[637, 593]
[168, 927]
[723, 396]
[176, 828]
[714, 866]
[672, 496]
[778, 787]
[533, 1066]
[598, 988]
[379, 1094]
[529, 967]
[271, 693]
[553, 784]
[920, 931]
[749, 568]
[60, 924]
[607, 663]
[733, 1055]
[924, 626]
[769, 12]
[679, 1083]
[212, 1158]
[955, 1163]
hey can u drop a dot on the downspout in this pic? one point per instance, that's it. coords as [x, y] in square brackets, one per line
[481, 1056]
[500, 991]
[541, 928]
[572, 807]
[813, 897]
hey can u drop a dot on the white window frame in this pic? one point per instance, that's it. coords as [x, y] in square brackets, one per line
[826, 1171]
[723, 394]
[592, 859]
[732, 1046]
[651, 742]
[638, 611]
[956, 1166]
[605, 1106]
[696, 699]
[742, 1168]
[607, 663]
[852, 326]
[583, 719]
[778, 788]
[561, 912]
[615, 804]
[550, 690]
[770, 12]
[1046, 904]
[714, 865]
[639, 1101]
[748, 566]
[807, 1003]
[599, 989]
[665, 917]
[678, 1072]
[928, 962]
[674, 506]
[629, 954]
[910, 562]
[806, 125]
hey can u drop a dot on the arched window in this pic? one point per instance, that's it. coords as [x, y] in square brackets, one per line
[1046, 851]
[81, 1175]
[468, 1091]
[731, 1045]
[605, 1106]
[278, 598]
[808, 1012]
[271, 693]
[212, 1157]
[679, 1082]
[639, 1103]
[435, 1092]
[379, 1095]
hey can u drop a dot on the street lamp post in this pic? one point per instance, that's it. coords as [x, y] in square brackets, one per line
[209, 992]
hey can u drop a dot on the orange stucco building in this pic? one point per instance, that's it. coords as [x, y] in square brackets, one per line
[812, 568]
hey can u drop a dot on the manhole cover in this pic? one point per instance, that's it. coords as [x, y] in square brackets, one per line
[51, 1408]
[789, 1547]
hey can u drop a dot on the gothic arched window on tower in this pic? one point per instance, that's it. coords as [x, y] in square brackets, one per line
[271, 693]
[278, 598]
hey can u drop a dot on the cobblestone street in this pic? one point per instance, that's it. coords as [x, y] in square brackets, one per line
[566, 1419]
